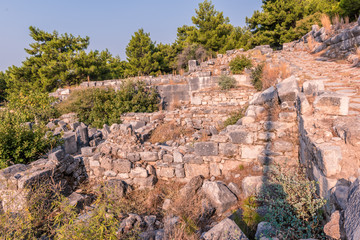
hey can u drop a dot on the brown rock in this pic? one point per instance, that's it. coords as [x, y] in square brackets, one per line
[332, 228]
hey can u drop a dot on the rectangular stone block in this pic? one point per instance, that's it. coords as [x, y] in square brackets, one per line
[121, 166]
[193, 170]
[149, 156]
[228, 149]
[206, 149]
[241, 137]
[332, 104]
[251, 152]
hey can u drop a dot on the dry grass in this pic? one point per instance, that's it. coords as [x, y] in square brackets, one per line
[169, 131]
[347, 20]
[326, 23]
[336, 21]
[272, 73]
[311, 43]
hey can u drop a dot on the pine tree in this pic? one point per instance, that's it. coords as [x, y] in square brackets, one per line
[140, 55]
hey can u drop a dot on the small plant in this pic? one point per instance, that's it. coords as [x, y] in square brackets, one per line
[294, 208]
[168, 131]
[226, 82]
[250, 215]
[256, 76]
[234, 117]
[238, 64]
[241, 167]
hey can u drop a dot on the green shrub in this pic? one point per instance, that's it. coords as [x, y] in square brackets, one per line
[226, 82]
[20, 143]
[238, 64]
[99, 106]
[294, 209]
[256, 76]
[234, 117]
[33, 105]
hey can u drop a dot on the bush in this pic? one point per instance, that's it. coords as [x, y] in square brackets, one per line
[99, 106]
[234, 117]
[293, 207]
[33, 105]
[2, 86]
[238, 64]
[21, 143]
[226, 82]
[256, 76]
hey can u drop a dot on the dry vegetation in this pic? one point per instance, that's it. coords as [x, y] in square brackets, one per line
[169, 131]
[271, 73]
[326, 23]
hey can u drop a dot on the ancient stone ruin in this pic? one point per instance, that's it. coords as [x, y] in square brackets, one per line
[310, 120]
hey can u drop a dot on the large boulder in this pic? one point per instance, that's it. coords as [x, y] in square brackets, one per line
[332, 228]
[226, 229]
[219, 195]
[352, 212]
[252, 185]
[348, 128]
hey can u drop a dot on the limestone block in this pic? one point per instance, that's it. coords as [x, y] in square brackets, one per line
[241, 137]
[332, 228]
[82, 136]
[329, 158]
[70, 145]
[178, 157]
[122, 166]
[251, 152]
[87, 151]
[332, 104]
[193, 170]
[206, 149]
[313, 87]
[226, 229]
[228, 149]
[282, 146]
[219, 195]
[215, 169]
[138, 172]
[252, 185]
[288, 89]
[57, 155]
[149, 156]
[268, 95]
[166, 172]
[192, 158]
[303, 104]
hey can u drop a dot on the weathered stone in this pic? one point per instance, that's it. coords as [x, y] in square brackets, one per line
[252, 185]
[341, 193]
[215, 169]
[247, 120]
[70, 145]
[166, 172]
[82, 136]
[329, 157]
[348, 129]
[137, 124]
[168, 158]
[78, 200]
[226, 229]
[180, 172]
[57, 156]
[241, 137]
[313, 87]
[192, 170]
[121, 166]
[283, 146]
[149, 156]
[288, 89]
[332, 228]
[219, 138]
[303, 104]
[268, 95]
[264, 229]
[191, 158]
[138, 172]
[145, 182]
[133, 157]
[228, 149]
[251, 152]
[87, 151]
[219, 195]
[191, 188]
[206, 149]
[332, 104]
[352, 212]
[234, 188]
[178, 157]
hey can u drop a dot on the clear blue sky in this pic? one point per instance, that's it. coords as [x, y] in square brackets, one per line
[108, 23]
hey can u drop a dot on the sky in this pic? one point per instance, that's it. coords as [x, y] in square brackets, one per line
[109, 23]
